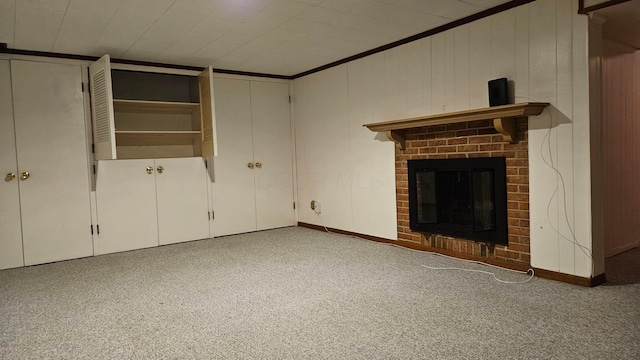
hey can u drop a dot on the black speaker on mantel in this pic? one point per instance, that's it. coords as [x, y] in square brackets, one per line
[498, 92]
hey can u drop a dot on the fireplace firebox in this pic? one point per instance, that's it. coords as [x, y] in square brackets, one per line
[465, 198]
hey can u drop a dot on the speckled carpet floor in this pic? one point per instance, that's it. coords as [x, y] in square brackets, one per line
[296, 293]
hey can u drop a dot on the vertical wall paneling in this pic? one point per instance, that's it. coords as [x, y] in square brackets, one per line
[620, 148]
[375, 65]
[438, 76]
[565, 126]
[543, 180]
[395, 89]
[415, 79]
[596, 205]
[372, 204]
[583, 173]
[503, 43]
[449, 71]
[480, 65]
[322, 147]
[520, 86]
[426, 74]
[461, 70]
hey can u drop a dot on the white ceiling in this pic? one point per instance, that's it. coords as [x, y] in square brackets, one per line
[283, 37]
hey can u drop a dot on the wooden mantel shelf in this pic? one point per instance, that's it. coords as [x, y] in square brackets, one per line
[503, 120]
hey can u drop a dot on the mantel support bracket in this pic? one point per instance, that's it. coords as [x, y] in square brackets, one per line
[507, 128]
[398, 137]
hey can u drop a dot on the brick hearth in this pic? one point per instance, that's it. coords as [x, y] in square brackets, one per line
[472, 139]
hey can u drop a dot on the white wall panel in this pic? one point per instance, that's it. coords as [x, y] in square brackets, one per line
[322, 148]
[427, 77]
[520, 86]
[480, 62]
[461, 64]
[449, 72]
[438, 76]
[372, 182]
[414, 87]
[503, 43]
[543, 180]
[395, 89]
[566, 122]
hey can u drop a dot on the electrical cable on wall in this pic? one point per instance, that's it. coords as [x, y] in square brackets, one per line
[585, 250]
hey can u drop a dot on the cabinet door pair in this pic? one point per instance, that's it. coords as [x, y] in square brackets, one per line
[145, 202]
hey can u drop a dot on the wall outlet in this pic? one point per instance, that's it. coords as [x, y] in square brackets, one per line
[315, 206]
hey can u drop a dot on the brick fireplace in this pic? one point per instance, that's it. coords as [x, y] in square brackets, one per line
[462, 140]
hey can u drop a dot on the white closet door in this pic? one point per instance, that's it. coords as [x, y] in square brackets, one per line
[10, 223]
[233, 188]
[126, 202]
[52, 148]
[272, 149]
[181, 189]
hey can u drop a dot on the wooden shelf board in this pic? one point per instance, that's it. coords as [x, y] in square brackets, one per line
[503, 120]
[142, 138]
[150, 106]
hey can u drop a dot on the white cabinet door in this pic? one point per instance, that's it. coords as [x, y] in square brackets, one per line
[126, 202]
[183, 207]
[233, 188]
[273, 151]
[10, 223]
[51, 147]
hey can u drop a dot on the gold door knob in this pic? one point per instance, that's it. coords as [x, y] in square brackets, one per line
[259, 165]
[25, 175]
[10, 176]
[149, 169]
[250, 165]
[160, 169]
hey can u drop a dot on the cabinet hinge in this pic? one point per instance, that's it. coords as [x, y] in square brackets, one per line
[91, 229]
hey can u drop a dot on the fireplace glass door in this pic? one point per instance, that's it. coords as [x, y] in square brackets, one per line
[459, 197]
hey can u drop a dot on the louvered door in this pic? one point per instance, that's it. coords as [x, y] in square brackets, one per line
[207, 113]
[102, 109]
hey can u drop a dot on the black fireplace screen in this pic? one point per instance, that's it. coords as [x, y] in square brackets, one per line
[464, 198]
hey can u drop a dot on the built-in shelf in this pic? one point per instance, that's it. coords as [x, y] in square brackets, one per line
[150, 137]
[503, 120]
[147, 106]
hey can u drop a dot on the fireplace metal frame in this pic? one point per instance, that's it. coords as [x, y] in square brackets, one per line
[496, 164]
